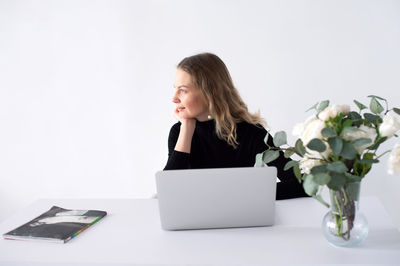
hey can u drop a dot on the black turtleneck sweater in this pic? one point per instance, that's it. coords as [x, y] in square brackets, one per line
[208, 151]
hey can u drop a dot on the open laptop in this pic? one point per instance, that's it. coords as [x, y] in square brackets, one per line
[216, 198]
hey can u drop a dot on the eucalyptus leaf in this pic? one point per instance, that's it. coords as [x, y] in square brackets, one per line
[360, 105]
[270, 156]
[375, 106]
[321, 200]
[322, 179]
[374, 96]
[348, 151]
[397, 110]
[316, 145]
[266, 138]
[310, 187]
[371, 118]
[328, 132]
[289, 165]
[353, 191]
[338, 167]
[336, 144]
[319, 169]
[352, 178]
[337, 181]
[361, 142]
[288, 153]
[322, 106]
[259, 161]
[297, 173]
[312, 107]
[377, 143]
[354, 116]
[280, 138]
[300, 147]
[350, 130]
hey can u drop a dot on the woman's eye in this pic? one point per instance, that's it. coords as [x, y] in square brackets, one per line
[182, 91]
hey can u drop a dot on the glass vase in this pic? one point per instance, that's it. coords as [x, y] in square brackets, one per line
[344, 225]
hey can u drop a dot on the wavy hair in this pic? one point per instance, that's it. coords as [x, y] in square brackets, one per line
[211, 76]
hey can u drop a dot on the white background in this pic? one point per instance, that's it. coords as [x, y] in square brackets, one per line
[86, 86]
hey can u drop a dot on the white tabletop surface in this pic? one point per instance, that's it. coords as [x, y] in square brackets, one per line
[131, 234]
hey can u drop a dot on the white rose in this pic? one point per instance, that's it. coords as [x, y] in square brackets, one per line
[333, 111]
[389, 126]
[309, 130]
[306, 164]
[394, 160]
[312, 130]
[299, 128]
[363, 132]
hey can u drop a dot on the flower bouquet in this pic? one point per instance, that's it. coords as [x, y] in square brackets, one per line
[337, 148]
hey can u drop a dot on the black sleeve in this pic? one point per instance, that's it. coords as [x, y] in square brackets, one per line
[289, 187]
[176, 159]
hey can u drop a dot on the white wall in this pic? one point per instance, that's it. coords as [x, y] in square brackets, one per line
[86, 86]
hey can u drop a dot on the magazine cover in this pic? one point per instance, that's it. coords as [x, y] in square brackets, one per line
[56, 225]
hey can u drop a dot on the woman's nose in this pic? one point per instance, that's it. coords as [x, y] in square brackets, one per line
[175, 99]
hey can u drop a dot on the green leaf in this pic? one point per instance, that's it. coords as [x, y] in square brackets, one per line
[322, 106]
[336, 144]
[270, 156]
[319, 169]
[352, 178]
[280, 138]
[328, 132]
[300, 147]
[310, 187]
[288, 153]
[338, 167]
[259, 161]
[348, 151]
[337, 181]
[316, 145]
[322, 179]
[397, 110]
[347, 123]
[354, 116]
[361, 142]
[378, 142]
[375, 106]
[297, 173]
[360, 105]
[321, 200]
[371, 118]
[368, 161]
[353, 191]
[289, 165]
[266, 138]
[374, 96]
[312, 107]
[350, 130]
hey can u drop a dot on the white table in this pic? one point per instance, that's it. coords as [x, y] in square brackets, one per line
[131, 234]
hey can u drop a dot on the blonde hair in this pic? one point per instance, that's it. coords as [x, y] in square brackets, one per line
[211, 76]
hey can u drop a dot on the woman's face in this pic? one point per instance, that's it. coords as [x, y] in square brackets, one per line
[190, 102]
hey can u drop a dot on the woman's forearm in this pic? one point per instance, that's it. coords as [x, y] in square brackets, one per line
[184, 142]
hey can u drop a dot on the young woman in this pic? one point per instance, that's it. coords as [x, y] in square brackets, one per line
[215, 128]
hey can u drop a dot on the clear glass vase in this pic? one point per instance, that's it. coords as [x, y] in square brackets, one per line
[344, 225]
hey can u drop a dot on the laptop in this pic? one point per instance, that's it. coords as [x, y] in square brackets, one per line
[216, 198]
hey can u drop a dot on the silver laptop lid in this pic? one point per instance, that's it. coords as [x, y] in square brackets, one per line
[216, 198]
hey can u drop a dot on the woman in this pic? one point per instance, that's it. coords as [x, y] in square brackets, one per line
[215, 128]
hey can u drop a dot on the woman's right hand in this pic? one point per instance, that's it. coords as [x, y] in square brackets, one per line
[186, 132]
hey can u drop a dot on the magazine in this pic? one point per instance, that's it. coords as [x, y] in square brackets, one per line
[56, 225]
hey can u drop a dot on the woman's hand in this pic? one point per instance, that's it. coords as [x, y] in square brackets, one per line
[188, 125]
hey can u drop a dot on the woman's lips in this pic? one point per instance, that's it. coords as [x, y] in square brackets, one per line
[180, 108]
